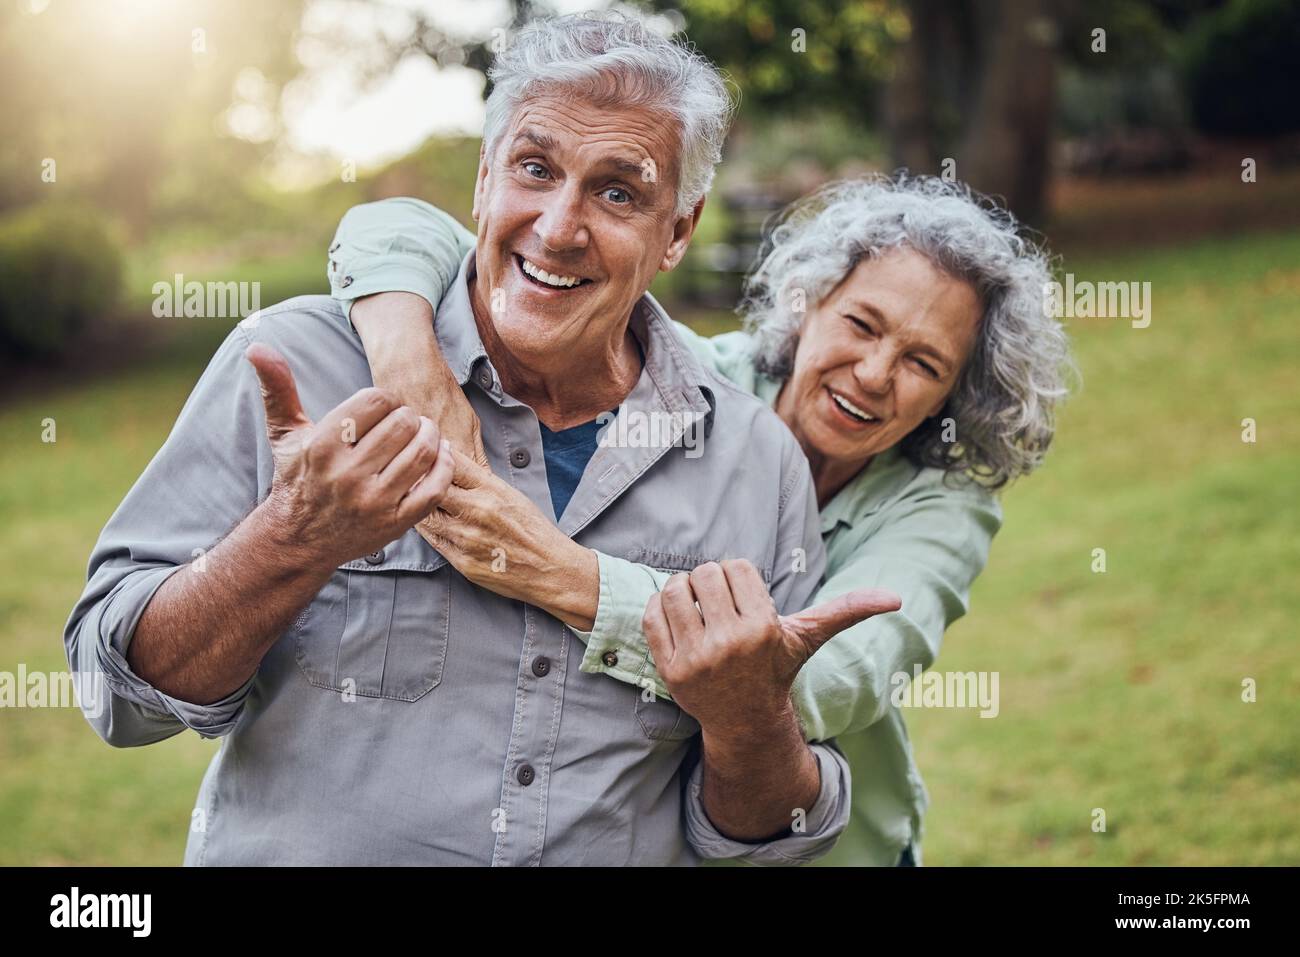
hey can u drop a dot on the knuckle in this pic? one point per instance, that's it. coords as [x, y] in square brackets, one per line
[737, 566]
[708, 572]
[374, 398]
[676, 586]
[406, 420]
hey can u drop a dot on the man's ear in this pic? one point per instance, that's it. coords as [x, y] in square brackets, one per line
[480, 181]
[683, 230]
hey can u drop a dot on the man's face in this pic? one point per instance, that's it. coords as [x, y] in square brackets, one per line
[576, 212]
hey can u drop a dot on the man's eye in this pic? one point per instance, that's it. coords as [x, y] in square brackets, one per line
[928, 369]
[860, 324]
[536, 170]
[618, 195]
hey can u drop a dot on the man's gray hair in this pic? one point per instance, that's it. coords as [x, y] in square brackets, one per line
[1003, 403]
[613, 59]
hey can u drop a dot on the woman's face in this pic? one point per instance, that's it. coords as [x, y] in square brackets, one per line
[877, 356]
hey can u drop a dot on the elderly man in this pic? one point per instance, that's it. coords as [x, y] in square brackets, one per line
[262, 581]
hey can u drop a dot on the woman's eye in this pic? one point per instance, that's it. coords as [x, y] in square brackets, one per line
[860, 324]
[928, 369]
[618, 196]
[536, 170]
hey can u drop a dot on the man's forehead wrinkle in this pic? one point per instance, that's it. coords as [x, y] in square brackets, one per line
[577, 119]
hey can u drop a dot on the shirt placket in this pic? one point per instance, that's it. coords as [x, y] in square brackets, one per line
[543, 660]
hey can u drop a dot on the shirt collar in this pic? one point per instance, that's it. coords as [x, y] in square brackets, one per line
[884, 476]
[677, 375]
[456, 329]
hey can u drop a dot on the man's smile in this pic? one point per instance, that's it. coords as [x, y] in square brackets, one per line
[539, 276]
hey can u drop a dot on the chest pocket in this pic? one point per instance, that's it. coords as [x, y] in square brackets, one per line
[660, 719]
[380, 626]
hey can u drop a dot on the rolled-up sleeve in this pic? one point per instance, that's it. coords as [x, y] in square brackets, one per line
[813, 830]
[396, 245]
[203, 481]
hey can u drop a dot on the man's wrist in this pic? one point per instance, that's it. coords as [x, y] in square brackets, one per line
[287, 546]
[755, 729]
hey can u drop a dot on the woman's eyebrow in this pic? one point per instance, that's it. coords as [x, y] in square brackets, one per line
[862, 305]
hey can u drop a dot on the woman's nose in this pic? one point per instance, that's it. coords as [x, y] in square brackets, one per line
[875, 371]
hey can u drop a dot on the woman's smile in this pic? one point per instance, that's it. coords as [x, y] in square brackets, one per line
[847, 414]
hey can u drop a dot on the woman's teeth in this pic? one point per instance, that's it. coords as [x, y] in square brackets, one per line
[549, 279]
[852, 409]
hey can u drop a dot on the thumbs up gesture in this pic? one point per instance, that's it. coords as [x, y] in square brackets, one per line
[726, 655]
[351, 483]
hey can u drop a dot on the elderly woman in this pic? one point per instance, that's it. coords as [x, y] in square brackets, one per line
[897, 327]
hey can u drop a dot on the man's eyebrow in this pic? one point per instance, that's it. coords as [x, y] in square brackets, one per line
[629, 166]
[543, 141]
[547, 143]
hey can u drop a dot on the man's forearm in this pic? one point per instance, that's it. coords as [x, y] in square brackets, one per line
[755, 781]
[208, 626]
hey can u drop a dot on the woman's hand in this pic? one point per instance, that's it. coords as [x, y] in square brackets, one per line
[396, 329]
[498, 539]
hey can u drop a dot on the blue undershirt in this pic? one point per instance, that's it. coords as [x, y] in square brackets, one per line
[567, 453]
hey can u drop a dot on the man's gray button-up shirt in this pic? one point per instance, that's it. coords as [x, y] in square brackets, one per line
[409, 717]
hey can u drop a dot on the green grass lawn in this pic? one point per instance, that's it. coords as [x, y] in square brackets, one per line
[1119, 691]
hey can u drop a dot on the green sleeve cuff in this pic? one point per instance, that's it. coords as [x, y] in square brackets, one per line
[616, 645]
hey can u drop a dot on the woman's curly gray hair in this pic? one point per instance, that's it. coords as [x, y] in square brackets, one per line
[1004, 400]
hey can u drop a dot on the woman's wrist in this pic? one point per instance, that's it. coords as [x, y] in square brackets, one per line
[572, 589]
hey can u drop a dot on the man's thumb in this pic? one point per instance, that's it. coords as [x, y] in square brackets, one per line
[284, 411]
[817, 625]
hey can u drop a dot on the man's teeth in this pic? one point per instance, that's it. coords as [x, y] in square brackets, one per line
[541, 275]
[852, 409]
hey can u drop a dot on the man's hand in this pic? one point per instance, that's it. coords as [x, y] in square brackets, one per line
[396, 329]
[350, 484]
[497, 538]
[731, 661]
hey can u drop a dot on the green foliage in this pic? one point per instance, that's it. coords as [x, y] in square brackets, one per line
[58, 270]
[799, 54]
[1240, 68]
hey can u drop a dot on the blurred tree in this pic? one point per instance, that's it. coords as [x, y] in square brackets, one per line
[105, 102]
[1239, 63]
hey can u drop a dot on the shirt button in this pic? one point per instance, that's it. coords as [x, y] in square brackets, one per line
[520, 458]
[347, 281]
[374, 558]
[541, 666]
[610, 658]
[484, 378]
[526, 774]
[335, 247]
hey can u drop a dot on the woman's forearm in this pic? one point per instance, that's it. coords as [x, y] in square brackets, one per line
[396, 329]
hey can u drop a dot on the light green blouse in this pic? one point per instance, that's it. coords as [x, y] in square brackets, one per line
[895, 526]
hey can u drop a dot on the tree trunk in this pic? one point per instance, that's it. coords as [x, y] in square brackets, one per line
[1006, 147]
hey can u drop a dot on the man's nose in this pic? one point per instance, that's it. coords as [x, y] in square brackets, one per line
[561, 225]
